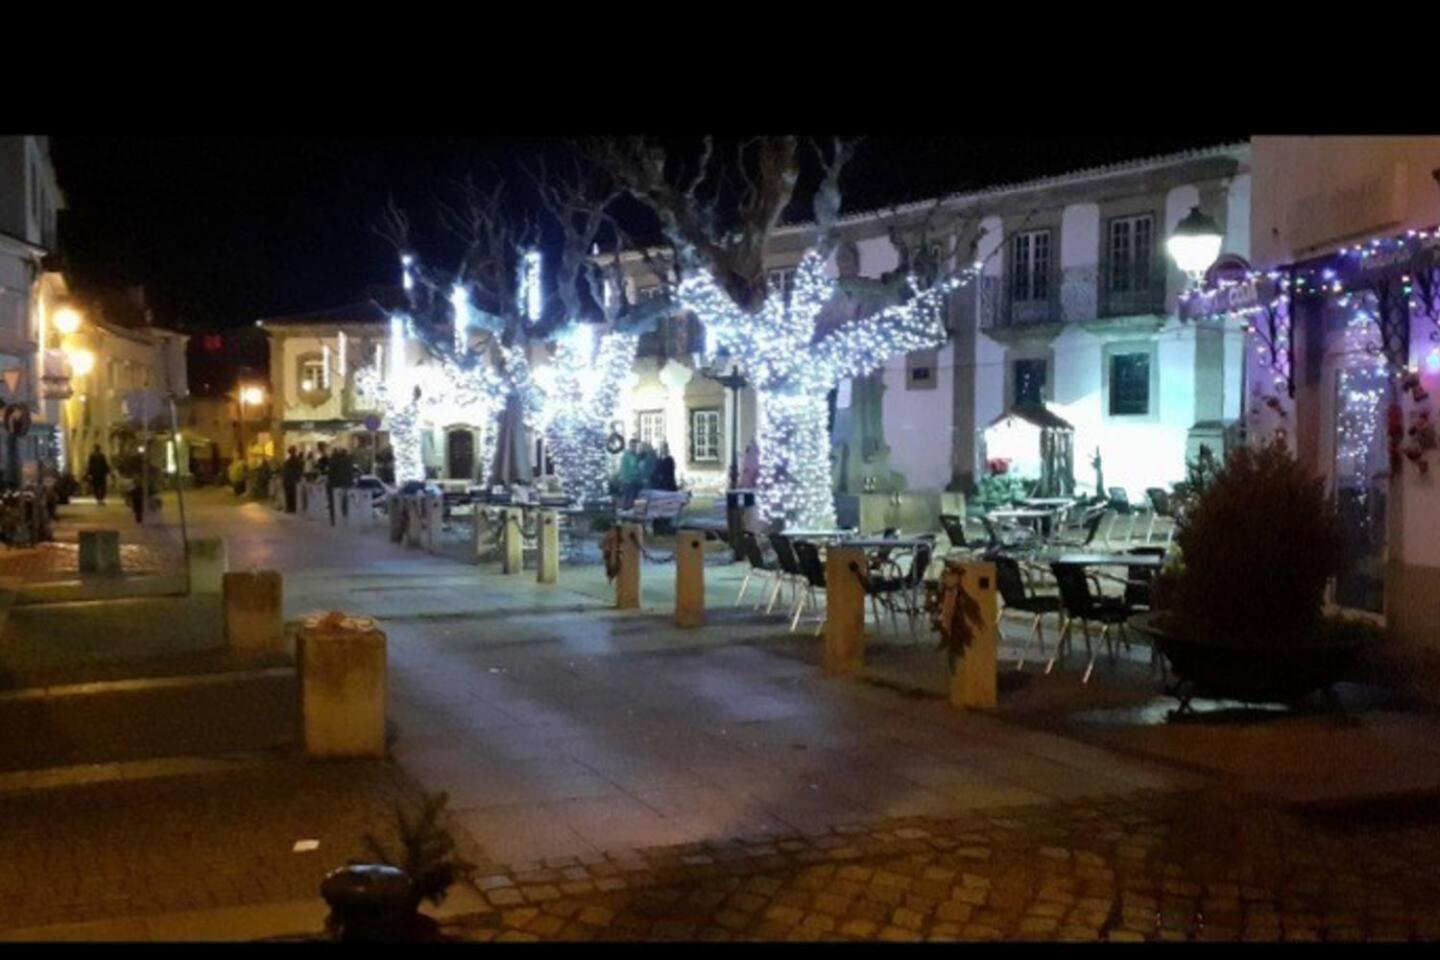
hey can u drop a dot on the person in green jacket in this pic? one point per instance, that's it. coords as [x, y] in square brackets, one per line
[628, 477]
[646, 467]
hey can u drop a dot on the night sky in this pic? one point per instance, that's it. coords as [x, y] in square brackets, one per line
[224, 230]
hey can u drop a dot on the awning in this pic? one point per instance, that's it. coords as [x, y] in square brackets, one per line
[1039, 416]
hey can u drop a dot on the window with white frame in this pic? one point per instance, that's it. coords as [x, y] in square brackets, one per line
[1132, 253]
[781, 281]
[705, 435]
[1129, 384]
[650, 426]
[1030, 266]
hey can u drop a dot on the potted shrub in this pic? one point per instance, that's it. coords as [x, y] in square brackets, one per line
[1239, 613]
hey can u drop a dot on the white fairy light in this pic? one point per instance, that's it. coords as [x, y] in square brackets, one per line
[460, 308]
[342, 350]
[325, 366]
[578, 392]
[793, 365]
[529, 292]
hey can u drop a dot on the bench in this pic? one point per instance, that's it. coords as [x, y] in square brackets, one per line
[653, 505]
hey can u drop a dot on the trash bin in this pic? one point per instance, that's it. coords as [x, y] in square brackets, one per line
[739, 516]
[369, 902]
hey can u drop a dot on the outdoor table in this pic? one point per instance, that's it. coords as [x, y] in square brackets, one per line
[1040, 518]
[1149, 560]
[880, 543]
[817, 534]
[1048, 501]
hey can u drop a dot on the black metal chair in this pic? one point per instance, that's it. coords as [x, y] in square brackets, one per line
[901, 588]
[754, 555]
[1021, 539]
[882, 556]
[789, 572]
[1018, 596]
[1087, 607]
[1090, 525]
[812, 572]
[954, 527]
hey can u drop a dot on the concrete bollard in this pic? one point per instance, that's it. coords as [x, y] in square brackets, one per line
[342, 686]
[254, 604]
[359, 509]
[844, 610]
[434, 524]
[99, 551]
[973, 684]
[413, 531]
[302, 498]
[207, 565]
[484, 534]
[277, 494]
[315, 501]
[512, 540]
[689, 578]
[547, 551]
[627, 584]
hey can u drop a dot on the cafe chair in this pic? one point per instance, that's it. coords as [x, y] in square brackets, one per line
[1081, 604]
[789, 573]
[1018, 595]
[812, 572]
[1160, 506]
[1007, 536]
[954, 527]
[895, 588]
[1090, 525]
[754, 555]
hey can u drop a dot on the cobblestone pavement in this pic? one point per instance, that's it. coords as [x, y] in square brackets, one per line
[143, 847]
[1148, 866]
[53, 559]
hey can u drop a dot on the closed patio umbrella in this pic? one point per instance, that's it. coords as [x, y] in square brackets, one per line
[512, 447]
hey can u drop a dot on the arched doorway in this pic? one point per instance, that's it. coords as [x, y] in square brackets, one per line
[460, 454]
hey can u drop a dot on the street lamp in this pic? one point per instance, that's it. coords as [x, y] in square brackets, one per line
[251, 396]
[82, 361]
[1195, 244]
[66, 320]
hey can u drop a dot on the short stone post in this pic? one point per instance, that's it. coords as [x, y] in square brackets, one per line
[395, 512]
[512, 552]
[413, 520]
[973, 684]
[100, 551]
[254, 604]
[434, 511]
[359, 509]
[844, 610]
[337, 504]
[302, 498]
[342, 686]
[277, 493]
[547, 549]
[690, 578]
[627, 584]
[207, 565]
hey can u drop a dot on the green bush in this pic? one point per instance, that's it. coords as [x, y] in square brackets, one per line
[1257, 547]
[1003, 489]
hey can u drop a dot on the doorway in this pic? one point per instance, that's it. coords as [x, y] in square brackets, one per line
[460, 454]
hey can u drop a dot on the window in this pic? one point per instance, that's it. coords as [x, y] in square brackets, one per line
[1029, 381]
[1030, 266]
[650, 426]
[310, 377]
[705, 436]
[781, 280]
[1131, 254]
[920, 368]
[650, 293]
[1129, 384]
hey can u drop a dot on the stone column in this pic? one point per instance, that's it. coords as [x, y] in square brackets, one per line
[548, 548]
[627, 584]
[361, 509]
[254, 604]
[689, 578]
[99, 551]
[844, 610]
[973, 684]
[434, 520]
[512, 553]
[342, 686]
[207, 562]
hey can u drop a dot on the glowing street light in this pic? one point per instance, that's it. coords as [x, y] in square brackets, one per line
[252, 396]
[66, 320]
[81, 361]
[1195, 244]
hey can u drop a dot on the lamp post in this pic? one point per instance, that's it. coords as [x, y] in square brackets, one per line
[1195, 244]
[253, 396]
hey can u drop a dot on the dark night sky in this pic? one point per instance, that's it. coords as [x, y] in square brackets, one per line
[223, 230]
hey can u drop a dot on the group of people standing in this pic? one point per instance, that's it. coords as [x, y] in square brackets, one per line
[643, 467]
[336, 468]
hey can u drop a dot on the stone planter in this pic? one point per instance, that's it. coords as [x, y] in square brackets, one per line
[1228, 671]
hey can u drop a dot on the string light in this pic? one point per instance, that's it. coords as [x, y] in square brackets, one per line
[793, 364]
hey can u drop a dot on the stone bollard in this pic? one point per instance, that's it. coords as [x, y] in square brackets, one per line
[254, 604]
[689, 578]
[207, 565]
[413, 520]
[315, 500]
[342, 686]
[100, 551]
[483, 534]
[844, 610]
[627, 584]
[277, 494]
[433, 505]
[302, 498]
[359, 509]
[512, 540]
[337, 505]
[547, 551]
[973, 684]
[395, 512]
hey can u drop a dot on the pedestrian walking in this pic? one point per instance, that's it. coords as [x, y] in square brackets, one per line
[339, 475]
[98, 472]
[290, 475]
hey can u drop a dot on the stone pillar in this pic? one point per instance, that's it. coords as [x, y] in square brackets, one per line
[207, 565]
[547, 560]
[337, 504]
[342, 686]
[973, 684]
[360, 506]
[627, 584]
[254, 603]
[99, 551]
[434, 513]
[485, 534]
[413, 520]
[844, 610]
[690, 578]
[512, 544]
[395, 512]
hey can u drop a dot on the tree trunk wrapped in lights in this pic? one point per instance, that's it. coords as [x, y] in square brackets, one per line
[793, 364]
[579, 392]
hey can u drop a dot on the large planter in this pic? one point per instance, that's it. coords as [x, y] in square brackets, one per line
[1228, 671]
